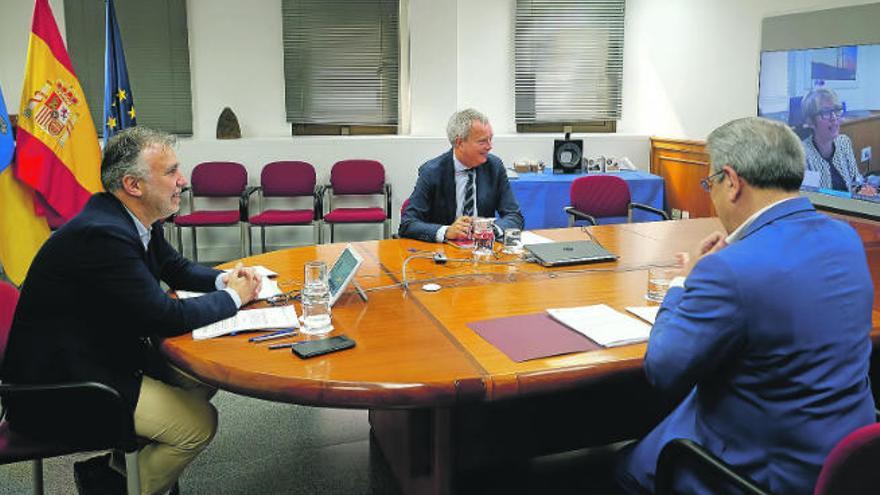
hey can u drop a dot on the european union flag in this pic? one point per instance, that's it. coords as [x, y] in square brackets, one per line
[118, 102]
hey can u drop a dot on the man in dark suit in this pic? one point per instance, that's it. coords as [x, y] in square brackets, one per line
[92, 300]
[460, 184]
[767, 337]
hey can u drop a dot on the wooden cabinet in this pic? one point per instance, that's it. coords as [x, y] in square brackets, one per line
[682, 164]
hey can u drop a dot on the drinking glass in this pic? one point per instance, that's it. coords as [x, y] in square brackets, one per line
[484, 236]
[316, 299]
[513, 241]
[659, 278]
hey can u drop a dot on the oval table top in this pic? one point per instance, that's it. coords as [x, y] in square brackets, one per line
[414, 348]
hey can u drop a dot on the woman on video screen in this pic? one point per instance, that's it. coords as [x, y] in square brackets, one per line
[828, 151]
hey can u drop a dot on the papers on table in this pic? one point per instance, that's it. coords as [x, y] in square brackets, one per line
[602, 324]
[269, 289]
[532, 238]
[647, 313]
[252, 319]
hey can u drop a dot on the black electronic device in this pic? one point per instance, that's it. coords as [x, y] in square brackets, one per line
[568, 155]
[312, 348]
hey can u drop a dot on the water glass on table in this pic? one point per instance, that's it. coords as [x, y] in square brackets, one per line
[484, 236]
[513, 241]
[316, 299]
[659, 278]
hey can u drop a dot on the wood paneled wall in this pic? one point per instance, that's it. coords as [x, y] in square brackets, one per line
[864, 132]
[682, 164]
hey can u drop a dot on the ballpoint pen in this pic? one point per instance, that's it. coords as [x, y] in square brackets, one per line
[281, 346]
[274, 335]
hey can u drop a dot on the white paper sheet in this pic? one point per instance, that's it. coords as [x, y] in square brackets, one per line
[647, 313]
[268, 289]
[251, 319]
[532, 238]
[602, 324]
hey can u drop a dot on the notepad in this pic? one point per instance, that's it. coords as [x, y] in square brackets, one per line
[602, 324]
[251, 319]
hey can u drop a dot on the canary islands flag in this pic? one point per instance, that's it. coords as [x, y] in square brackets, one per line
[21, 231]
[57, 151]
[119, 111]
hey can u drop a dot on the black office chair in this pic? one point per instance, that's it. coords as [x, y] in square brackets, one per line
[118, 431]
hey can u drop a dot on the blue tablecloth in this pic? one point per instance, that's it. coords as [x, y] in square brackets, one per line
[542, 196]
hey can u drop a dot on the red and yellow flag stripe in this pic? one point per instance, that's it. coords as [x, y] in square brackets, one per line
[57, 151]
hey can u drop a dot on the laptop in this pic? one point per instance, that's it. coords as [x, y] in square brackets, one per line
[569, 253]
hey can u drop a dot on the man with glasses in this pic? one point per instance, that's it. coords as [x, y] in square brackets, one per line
[465, 182]
[828, 152]
[765, 338]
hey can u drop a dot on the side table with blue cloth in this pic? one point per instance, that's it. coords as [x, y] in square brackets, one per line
[542, 196]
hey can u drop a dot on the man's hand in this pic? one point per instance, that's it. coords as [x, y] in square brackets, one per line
[711, 244]
[245, 282]
[868, 190]
[460, 228]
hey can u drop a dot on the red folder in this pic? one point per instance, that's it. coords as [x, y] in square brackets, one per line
[534, 336]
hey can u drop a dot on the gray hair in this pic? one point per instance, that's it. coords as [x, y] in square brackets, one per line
[122, 155]
[766, 153]
[460, 124]
[813, 100]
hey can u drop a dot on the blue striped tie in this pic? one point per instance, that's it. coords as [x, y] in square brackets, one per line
[467, 208]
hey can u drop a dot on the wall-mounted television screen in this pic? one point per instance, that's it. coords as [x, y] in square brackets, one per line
[831, 98]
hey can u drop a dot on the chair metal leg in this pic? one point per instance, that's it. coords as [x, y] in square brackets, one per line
[319, 234]
[132, 476]
[195, 246]
[571, 220]
[263, 237]
[332, 233]
[38, 476]
[386, 229]
[243, 233]
[180, 240]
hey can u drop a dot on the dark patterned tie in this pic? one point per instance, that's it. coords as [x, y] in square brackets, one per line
[467, 208]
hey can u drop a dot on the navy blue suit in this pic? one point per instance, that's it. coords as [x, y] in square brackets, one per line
[88, 305]
[769, 342]
[433, 202]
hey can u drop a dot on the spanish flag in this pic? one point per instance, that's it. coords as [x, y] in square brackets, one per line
[57, 152]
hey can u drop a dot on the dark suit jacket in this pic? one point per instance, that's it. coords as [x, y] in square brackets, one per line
[91, 300]
[769, 339]
[432, 203]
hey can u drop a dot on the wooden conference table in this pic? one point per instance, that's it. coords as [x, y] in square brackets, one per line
[434, 388]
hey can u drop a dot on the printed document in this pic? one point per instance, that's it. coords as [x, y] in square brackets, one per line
[251, 319]
[602, 324]
[267, 290]
[647, 313]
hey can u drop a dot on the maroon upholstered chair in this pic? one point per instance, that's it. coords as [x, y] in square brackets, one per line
[603, 196]
[15, 447]
[287, 179]
[215, 180]
[849, 469]
[358, 177]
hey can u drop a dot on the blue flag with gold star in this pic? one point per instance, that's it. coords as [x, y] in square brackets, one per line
[118, 102]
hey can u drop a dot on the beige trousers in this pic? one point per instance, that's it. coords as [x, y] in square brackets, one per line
[178, 421]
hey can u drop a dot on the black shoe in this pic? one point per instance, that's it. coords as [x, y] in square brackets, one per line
[95, 477]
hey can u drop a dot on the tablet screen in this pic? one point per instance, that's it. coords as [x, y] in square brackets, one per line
[341, 271]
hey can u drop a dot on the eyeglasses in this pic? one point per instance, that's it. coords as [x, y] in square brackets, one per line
[837, 112]
[706, 183]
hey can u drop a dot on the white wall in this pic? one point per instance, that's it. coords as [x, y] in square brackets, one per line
[690, 65]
